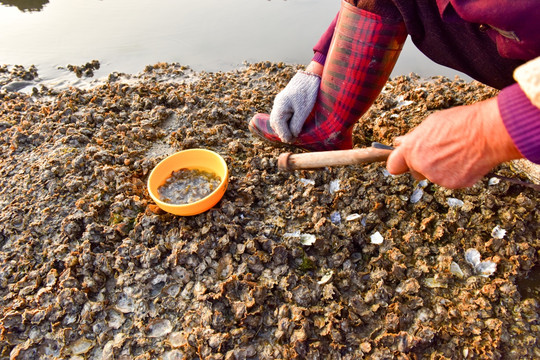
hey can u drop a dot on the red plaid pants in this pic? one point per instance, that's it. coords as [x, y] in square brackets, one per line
[362, 55]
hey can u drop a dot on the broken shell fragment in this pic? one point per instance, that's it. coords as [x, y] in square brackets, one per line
[376, 238]
[453, 202]
[294, 234]
[483, 268]
[456, 270]
[125, 304]
[81, 346]
[472, 256]
[178, 339]
[335, 217]
[326, 278]
[307, 181]
[434, 283]
[175, 354]
[159, 328]
[352, 217]
[494, 181]
[334, 186]
[498, 232]
[416, 195]
[307, 239]
[115, 319]
[486, 268]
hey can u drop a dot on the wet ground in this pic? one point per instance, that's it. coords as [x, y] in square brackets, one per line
[341, 263]
[209, 35]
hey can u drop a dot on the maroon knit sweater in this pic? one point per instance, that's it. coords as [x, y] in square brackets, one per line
[485, 39]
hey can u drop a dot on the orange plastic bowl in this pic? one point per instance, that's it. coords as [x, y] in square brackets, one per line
[201, 159]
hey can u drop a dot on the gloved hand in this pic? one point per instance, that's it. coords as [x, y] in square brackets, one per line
[293, 105]
[455, 147]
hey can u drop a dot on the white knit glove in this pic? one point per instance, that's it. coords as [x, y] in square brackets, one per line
[293, 105]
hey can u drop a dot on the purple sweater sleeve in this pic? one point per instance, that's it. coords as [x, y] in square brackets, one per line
[522, 121]
[323, 45]
[512, 25]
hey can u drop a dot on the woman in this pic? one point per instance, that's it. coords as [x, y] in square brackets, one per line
[486, 39]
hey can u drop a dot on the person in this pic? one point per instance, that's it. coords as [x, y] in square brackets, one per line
[492, 41]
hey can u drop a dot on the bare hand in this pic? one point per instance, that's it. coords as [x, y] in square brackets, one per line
[456, 147]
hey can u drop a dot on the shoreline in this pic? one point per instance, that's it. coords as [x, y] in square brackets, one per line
[17, 77]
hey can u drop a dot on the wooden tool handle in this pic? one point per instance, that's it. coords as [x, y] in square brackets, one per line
[314, 160]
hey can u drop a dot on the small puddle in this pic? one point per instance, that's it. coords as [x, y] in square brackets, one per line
[529, 287]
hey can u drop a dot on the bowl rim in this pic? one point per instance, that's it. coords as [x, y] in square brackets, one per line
[223, 182]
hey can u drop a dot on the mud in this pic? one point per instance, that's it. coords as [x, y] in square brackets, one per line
[340, 263]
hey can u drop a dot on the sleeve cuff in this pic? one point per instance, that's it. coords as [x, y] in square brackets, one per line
[319, 57]
[522, 121]
[323, 45]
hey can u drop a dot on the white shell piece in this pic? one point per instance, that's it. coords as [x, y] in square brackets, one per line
[423, 183]
[178, 339]
[125, 303]
[456, 270]
[116, 319]
[174, 354]
[326, 278]
[172, 290]
[376, 238]
[295, 234]
[472, 256]
[334, 186]
[402, 102]
[424, 315]
[335, 217]
[385, 172]
[486, 268]
[434, 283]
[494, 181]
[159, 278]
[498, 232]
[307, 181]
[416, 195]
[81, 346]
[453, 202]
[307, 239]
[353, 217]
[159, 328]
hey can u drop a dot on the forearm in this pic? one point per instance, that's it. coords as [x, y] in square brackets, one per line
[315, 68]
[455, 147]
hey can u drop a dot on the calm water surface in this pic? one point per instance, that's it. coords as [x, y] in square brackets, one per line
[211, 35]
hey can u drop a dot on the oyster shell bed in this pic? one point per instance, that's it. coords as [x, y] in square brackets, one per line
[341, 263]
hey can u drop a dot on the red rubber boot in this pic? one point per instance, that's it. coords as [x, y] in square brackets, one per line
[362, 54]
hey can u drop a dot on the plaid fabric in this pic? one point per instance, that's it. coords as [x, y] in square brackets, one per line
[362, 54]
